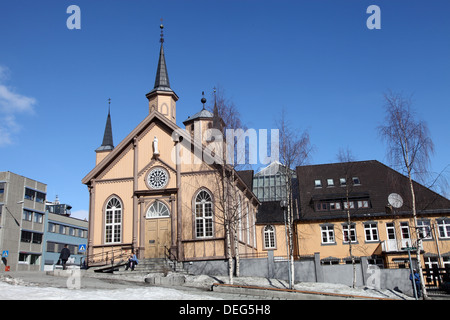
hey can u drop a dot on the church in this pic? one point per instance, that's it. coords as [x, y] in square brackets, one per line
[153, 194]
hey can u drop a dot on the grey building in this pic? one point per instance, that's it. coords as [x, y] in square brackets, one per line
[62, 229]
[22, 211]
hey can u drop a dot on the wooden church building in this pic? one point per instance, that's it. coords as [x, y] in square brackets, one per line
[153, 195]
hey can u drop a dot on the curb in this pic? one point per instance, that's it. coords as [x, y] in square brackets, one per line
[285, 293]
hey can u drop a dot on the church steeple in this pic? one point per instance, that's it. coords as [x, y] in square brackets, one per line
[162, 77]
[107, 144]
[162, 98]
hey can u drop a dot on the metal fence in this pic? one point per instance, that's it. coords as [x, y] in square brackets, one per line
[437, 280]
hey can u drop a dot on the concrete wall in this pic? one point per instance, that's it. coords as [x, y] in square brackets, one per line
[310, 270]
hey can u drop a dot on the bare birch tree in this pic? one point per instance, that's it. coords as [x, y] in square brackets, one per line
[226, 116]
[295, 150]
[409, 148]
[346, 157]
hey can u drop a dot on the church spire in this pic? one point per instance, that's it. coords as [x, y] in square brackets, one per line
[162, 98]
[107, 144]
[162, 77]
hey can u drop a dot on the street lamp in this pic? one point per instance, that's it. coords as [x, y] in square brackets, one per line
[284, 205]
[17, 222]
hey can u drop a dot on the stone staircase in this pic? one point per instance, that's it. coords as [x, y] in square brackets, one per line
[160, 265]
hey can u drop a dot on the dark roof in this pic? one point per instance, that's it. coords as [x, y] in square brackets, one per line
[270, 212]
[202, 114]
[107, 143]
[377, 182]
[247, 177]
[162, 76]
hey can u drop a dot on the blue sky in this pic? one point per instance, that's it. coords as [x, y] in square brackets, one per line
[316, 59]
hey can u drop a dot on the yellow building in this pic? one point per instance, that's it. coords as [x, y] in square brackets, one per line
[361, 206]
[159, 193]
[380, 226]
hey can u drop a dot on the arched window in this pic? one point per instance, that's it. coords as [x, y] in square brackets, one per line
[113, 221]
[269, 237]
[203, 215]
[239, 218]
[158, 209]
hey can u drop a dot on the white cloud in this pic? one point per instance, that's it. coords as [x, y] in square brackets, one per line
[11, 105]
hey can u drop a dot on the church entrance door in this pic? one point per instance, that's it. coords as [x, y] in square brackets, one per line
[157, 230]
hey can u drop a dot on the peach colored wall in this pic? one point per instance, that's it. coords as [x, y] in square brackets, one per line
[117, 179]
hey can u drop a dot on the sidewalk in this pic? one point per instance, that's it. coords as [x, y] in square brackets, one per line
[244, 287]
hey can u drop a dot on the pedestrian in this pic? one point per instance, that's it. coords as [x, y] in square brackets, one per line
[132, 262]
[416, 282]
[64, 255]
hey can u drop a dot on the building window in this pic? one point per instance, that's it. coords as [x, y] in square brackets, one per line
[404, 228]
[158, 178]
[349, 204]
[25, 236]
[37, 238]
[34, 195]
[247, 222]
[23, 258]
[356, 181]
[335, 206]
[38, 217]
[330, 182]
[33, 237]
[327, 234]
[349, 233]
[51, 227]
[269, 237]
[321, 206]
[343, 181]
[40, 197]
[363, 204]
[2, 190]
[157, 210]
[390, 229]
[318, 183]
[424, 229]
[34, 259]
[444, 228]
[113, 221]
[29, 194]
[203, 215]
[27, 215]
[371, 231]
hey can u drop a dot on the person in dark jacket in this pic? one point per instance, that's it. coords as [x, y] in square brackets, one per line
[132, 262]
[416, 282]
[64, 255]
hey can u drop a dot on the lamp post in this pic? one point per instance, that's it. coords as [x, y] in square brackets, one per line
[283, 204]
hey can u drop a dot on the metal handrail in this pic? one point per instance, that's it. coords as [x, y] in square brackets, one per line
[109, 255]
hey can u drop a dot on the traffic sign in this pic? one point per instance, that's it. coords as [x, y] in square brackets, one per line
[5, 253]
[82, 248]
